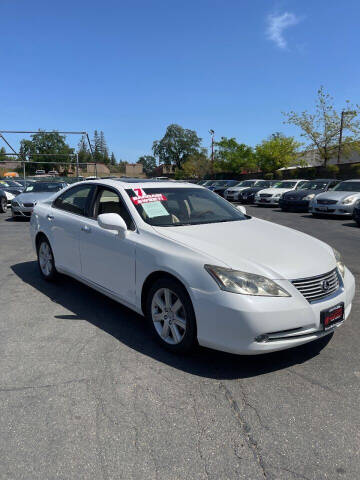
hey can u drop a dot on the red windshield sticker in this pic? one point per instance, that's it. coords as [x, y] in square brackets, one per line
[144, 198]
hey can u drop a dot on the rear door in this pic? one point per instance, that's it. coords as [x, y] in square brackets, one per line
[65, 219]
[108, 260]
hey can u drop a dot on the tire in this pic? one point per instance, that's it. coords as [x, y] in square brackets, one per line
[3, 205]
[174, 328]
[46, 260]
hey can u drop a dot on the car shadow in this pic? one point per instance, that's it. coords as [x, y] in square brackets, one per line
[131, 329]
[352, 224]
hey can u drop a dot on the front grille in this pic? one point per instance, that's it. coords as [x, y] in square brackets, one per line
[265, 195]
[323, 201]
[28, 205]
[231, 192]
[313, 288]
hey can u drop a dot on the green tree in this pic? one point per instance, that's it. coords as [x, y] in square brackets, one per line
[176, 145]
[148, 162]
[46, 147]
[278, 151]
[234, 157]
[322, 128]
[83, 151]
[3, 157]
[112, 159]
[196, 166]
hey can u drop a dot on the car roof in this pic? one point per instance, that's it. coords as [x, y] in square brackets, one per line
[127, 183]
[352, 180]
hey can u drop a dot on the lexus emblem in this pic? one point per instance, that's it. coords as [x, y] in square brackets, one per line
[325, 285]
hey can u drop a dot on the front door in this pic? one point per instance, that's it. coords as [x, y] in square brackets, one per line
[108, 260]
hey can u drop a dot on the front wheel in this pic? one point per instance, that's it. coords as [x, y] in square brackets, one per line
[3, 205]
[46, 260]
[171, 316]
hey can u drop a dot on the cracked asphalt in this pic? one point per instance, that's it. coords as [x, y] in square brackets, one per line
[86, 394]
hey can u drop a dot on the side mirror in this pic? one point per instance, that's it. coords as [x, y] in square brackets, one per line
[112, 221]
[241, 208]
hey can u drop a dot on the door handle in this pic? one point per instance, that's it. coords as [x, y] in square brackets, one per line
[86, 229]
[50, 217]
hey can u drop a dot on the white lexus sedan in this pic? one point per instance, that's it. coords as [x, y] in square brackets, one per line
[199, 269]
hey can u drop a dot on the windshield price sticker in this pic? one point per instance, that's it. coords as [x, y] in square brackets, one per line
[142, 197]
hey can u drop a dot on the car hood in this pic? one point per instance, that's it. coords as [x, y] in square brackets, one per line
[237, 189]
[337, 195]
[31, 197]
[302, 193]
[256, 246]
[275, 190]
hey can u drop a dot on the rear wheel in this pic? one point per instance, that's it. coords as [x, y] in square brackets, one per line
[171, 316]
[46, 260]
[3, 205]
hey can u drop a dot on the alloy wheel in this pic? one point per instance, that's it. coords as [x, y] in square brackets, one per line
[169, 316]
[45, 259]
[3, 204]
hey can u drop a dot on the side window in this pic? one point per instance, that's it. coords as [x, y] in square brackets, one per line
[74, 200]
[108, 201]
[332, 185]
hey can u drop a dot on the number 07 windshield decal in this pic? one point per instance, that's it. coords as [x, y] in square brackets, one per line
[142, 197]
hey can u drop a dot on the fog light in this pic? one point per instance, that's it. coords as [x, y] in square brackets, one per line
[262, 338]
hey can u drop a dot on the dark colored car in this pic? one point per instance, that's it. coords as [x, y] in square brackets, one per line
[299, 200]
[11, 186]
[3, 202]
[248, 195]
[357, 213]
[220, 186]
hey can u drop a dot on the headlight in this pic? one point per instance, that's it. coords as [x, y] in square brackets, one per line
[339, 263]
[309, 197]
[349, 200]
[245, 283]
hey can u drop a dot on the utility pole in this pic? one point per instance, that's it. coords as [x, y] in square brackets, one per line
[212, 133]
[343, 113]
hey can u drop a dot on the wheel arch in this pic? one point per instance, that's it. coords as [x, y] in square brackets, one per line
[38, 238]
[151, 278]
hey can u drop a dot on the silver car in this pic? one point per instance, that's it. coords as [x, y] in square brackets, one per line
[340, 201]
[23, 205]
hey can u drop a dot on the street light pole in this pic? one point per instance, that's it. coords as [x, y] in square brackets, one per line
[212, 133]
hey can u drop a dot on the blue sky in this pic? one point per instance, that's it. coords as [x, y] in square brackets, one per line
[130, 68]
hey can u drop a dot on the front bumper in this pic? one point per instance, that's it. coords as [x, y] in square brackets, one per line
[336, 209]
[247, 198]
[231, 322]
[232, 197]
[298, 205]
[267, 201]
[21, 211]
[357, 214]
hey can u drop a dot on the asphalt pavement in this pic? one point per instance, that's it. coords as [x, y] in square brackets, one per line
[85, 393]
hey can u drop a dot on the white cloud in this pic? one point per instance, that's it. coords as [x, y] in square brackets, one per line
[277, 24]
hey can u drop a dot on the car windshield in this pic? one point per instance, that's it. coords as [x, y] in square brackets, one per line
[245, 183]
[4, 184]
[208, 183]
[11, 183]
[262, 184]
[348, 187]
[220, 183]
[44, 187]
[314, 185]
[285, 185]
[173, 207]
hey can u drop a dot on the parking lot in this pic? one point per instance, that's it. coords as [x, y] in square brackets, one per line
[86, 393]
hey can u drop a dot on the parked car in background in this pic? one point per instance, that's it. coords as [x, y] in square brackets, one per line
[40, 172]
[232, 194]
[23, 204]
[220, 186]
[271, 196]
[3, 202]
[167, 251]
[339, 201]
[247, 195]
[300, 199]
[356, 213]
[11, 186]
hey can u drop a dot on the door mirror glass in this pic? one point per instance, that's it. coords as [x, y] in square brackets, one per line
[241, 208]
[112, 221]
